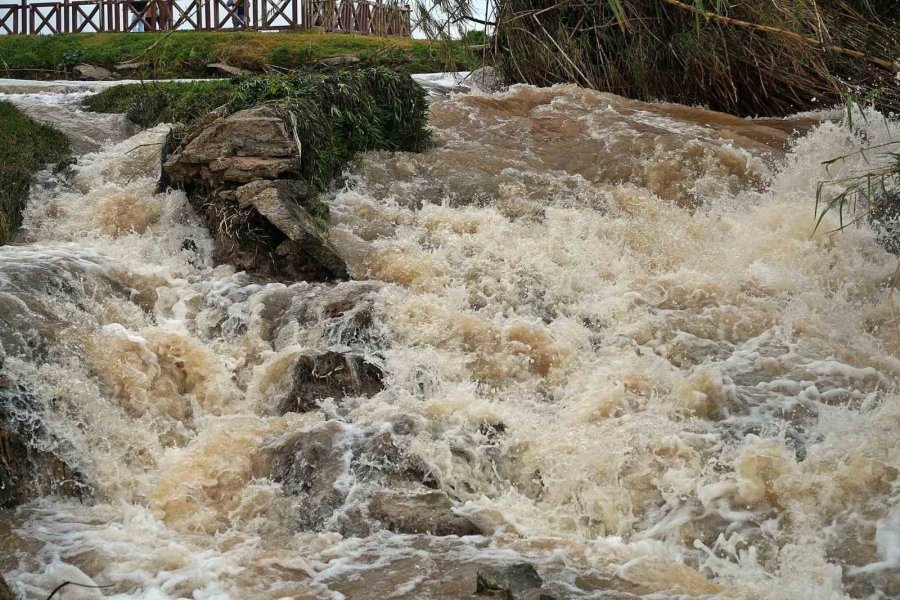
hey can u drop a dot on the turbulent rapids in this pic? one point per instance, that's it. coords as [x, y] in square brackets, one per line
[597, 336]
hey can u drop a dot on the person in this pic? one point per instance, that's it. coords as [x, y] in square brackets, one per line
[163, 12]
[237, 17]
[137, 20]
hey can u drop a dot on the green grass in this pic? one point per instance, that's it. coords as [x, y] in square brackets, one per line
[186, 53]
[338, 113]
[150, 103]
[26, 147]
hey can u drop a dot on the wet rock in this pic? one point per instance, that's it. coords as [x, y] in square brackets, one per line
[331, 375]
[226, 69]
[485, 79]
[354, 481]
[310, 466]
[518, 581]
[425, 513]
[291, 206]
[87, 72]
[26, 471]
[5, 592]
[334, 316]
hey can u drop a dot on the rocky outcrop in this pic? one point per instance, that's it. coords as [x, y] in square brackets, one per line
[331, 375]
[257, 138]
[517, 581]
[241, 173]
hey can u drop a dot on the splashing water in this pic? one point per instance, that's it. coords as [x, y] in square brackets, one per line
[608, 335]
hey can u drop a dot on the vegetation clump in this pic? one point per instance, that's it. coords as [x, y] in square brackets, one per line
[337, 113]
[758, 57]
[26, 147]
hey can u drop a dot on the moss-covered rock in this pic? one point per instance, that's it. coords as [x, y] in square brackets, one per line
[26, 147]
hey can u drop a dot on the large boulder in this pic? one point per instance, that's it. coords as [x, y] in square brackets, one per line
[261, 134]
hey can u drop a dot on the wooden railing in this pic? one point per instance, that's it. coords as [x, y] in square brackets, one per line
[371, 17]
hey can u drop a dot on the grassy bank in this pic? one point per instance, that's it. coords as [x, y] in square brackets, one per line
[26, 147]
[187, 53]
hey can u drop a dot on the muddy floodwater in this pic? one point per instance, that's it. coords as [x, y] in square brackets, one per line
[609, 345]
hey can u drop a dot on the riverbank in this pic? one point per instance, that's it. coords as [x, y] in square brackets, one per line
[188, 53]
[26, 147]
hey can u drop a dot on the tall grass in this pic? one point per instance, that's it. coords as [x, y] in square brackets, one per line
[756, 57]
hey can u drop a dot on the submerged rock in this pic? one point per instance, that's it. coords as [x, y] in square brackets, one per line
[356, 481]
[419, 512]
[518, 581]
[26, 470]
[5, 592]
[331, 375]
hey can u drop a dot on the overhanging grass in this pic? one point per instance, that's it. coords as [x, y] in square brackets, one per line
[187, 53]
[26, 147]
[150, 103]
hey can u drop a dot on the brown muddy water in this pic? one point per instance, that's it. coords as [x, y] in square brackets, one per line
[608, 334]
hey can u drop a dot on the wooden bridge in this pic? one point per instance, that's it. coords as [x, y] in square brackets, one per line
[370, 17]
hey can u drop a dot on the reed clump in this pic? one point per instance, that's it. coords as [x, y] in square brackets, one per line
[751, 58]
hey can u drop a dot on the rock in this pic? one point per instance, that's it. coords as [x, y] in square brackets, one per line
[342, 60]
[354, 481]
[87, 72]
[292, 208]
[129, 66]
[238, 171]
[244, 169]
[331, 375]
[485, 79]
[25, 471]
[518, 581]
[225, 69]
[423, 513]
[309, 465]
[5, 592]
[258, 132]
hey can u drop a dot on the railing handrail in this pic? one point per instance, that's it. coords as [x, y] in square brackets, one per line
[77, 16]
